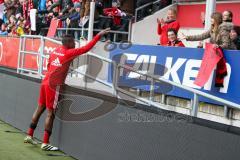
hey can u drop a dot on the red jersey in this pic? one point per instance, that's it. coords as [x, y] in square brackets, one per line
[176, 43]
[60, 60]
[162, 31]
[76, 1]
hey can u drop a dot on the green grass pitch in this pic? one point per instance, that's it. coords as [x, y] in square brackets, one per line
[13, 148]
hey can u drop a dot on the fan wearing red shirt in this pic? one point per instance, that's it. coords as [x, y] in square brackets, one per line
[173, 40]
[163, 26]
[58, 67]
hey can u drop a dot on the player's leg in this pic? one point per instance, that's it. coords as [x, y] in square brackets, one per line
[48, 131]
[35, 118]
[48, 126]
[36, 115]
[51, 103]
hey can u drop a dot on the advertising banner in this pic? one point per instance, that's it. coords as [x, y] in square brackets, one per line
[180, 65]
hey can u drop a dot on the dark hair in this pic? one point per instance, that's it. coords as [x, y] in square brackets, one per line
[66, 39]
[230, 14]
[237, 29]
[172, 30]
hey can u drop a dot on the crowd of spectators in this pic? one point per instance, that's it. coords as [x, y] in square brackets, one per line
[16, 19]
[19, 17]
[16, 16]
[222, 33]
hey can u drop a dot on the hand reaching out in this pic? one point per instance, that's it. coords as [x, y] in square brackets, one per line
[105, 31]
[182, 36]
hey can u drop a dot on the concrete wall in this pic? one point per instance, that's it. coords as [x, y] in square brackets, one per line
[124, 133]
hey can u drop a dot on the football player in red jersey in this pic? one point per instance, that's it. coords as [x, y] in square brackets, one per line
[58, 66]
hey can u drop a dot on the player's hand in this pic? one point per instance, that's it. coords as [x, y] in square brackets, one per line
[105, 31]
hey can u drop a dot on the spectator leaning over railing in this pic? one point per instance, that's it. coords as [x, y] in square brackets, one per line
[173, 41]
[115, 13]
[112, 18]
[164, 25]
[73, 17]
[44, 18]
[219, 35]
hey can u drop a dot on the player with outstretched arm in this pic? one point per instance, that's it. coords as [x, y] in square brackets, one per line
[58, 67]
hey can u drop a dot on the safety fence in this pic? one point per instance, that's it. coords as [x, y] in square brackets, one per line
[30, 61]
[121, 32]
[114, 36]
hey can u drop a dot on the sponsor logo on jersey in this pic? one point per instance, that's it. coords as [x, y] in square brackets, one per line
[56, 63]
[58, 54]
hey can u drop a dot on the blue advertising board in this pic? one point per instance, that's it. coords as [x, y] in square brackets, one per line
[177, 64]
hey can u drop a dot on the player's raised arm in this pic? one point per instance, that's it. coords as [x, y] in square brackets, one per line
[78, 51]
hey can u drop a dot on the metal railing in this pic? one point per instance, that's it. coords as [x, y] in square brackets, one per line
[82, 31]
[115, 33]
[79, 32]
[39, 54]
[196, 93]
[144, 7]
[154, 79]
[116, 71]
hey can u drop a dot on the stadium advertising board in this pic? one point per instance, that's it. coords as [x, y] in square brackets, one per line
[180, 65]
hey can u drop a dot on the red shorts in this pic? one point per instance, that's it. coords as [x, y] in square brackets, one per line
[49, 96]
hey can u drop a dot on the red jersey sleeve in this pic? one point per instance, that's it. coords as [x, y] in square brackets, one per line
[175, 25]
[159, 29]
[72, 53]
